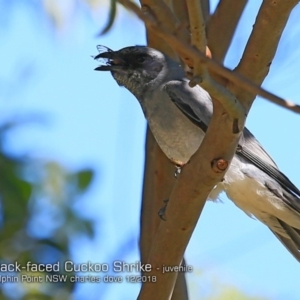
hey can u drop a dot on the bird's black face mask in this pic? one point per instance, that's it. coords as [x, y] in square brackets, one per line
[132, 67]
[137, 59]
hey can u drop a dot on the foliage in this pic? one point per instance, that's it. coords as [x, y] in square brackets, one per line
[38, 220]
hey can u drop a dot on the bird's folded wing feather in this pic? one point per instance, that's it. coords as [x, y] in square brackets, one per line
[292, 243]
[251, 150]
[195, 103]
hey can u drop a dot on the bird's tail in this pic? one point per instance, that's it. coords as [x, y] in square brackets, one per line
[292, 242]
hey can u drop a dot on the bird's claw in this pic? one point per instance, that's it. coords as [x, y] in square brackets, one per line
[177, 171]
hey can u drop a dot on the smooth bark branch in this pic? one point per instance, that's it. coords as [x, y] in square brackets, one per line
[205, 10]
[262, 44]
[186, 202]
[231, 104]
[198, 39]
[200, 74]
[158, 183]
[159, 44]
[222, 25]
[180, 291]
[159, 180]
[179, 8]
[197, 25]
[165, 18]
[168, 20]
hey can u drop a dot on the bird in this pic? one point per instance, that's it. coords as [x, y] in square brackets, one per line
[178, 116]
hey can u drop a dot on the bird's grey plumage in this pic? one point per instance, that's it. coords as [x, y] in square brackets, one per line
[178, 116]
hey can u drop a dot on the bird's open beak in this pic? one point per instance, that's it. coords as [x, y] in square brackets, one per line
[110, 60]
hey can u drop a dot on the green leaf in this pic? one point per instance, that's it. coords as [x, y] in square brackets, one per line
[25, 189]
[84, 178]
[112, 16]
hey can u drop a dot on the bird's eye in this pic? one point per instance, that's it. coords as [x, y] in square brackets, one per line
[141, 58]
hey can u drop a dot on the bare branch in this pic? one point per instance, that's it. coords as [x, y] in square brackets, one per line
[205, 10]
[158, 183]
[167, 19]
[180, 291]
[163, 180]
[197, 25]
[179, 7]
[186, 203]
[200, 74]
[260, 51]
[226, 17]
[163, 16]
[233, 107]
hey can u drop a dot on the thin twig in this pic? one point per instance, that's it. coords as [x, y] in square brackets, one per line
[197, 25]
[260, 51]
[200, 73]
[222, 25]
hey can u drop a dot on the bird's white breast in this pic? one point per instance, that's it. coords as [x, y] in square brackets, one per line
[254, 198]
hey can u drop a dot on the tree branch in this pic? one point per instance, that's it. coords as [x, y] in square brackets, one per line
[222, 25]
[186, 203]
[205, 10]
[197, 25]
[179, 8]
[163, 16]
[200, 74]
[259, 52]
[163, 180]
[158, 183]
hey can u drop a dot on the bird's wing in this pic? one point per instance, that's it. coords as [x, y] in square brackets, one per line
[196, 104]
[251, 150]
[288, 235]
[292, 242]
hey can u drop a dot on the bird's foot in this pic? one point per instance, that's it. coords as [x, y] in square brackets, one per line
[177, 171]
[162, 211]
[178, 167]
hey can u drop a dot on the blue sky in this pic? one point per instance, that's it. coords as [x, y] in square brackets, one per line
[90, 121]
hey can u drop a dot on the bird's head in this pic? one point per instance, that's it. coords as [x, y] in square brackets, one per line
[133, 67]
